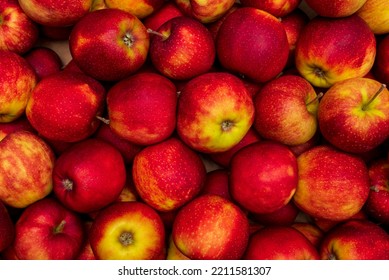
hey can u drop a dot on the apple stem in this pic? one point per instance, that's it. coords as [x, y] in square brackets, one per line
[383, 86]
[126, 238]
[128, 39]
[318, 96]
[374, 188]
[104, 120]
[68, 184]
[149, 30]
[59, 228]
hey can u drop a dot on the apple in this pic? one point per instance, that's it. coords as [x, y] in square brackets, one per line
[213, 27]
[127, 231]
[128, 192]
[336, 9]
[211, 227]
[183, 49]
[173, 253]
[326, 224]
[18, 32]
[114, 48]
[214, 112]
[89, 175]
[286, 110]
[217, 182]
[17, 81]
[353, 115]
[168, 174]
[56, 13]
[98, 5]
[331, 50]
[205, 11]
[26, 165]
[86, 252]
[140, 9]
[261, 57]
[377, 204]
[355, 240]
[142, 108]
[64, 106]
[279, 8]
[381, 66]
[301, 148]
[7, 228]
[263, 177]
[44, 60]
[167, 11]
[376, 14]
[312, 232]
[332, 184]
[20, 123]
[280, 243]
[285, 216]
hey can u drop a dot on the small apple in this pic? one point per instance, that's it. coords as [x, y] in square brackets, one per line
[285, 216]
[86, 252]
[211, 227]
[376, 14]
[279, 8]
[330, 8]
[312, 232]
[26, 165]
[127, 231]
[7, 228]
[139, 8]
[214, 113]
[173, 253]
[168, 11]
[44, 60]
[381, 66]
[20, 123]
[213, 27]
[217, 182]
[326, 224]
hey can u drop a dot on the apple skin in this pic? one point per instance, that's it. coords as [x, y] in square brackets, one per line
[376, 14]
[217, 182]
[64, 106]
[20, 123]
[127, 231]
[211, 227]
[168, 11]
[312, 232]
[18, 32]
[173, 253]
[56, 13]
[276, 8]
[323, 172]
[140, 9]
[286, 110]
[270, 243]
[261, 57]
[377, 204]
[263, 177]
[7, 228]
[89, 175]
[205, 11]
[355, 240]
[335, 9]
[142, 108]
[331, 50]
[86, 252]
[214, 112]
[112, 50]
[381, 66]
[285, 216]
[17, 81]
[26, 165]
[47, 230]
[348, 121]
[168, 174]
[44, 60]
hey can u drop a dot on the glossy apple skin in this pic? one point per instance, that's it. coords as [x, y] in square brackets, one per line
[112, 50]
[376, 15]
[261, 57]
[286, 110]
[44, 60]
[17, 81]
[381, 66]
[344, 121]
[56, 13]
[329, 8]
[26, 165]
[205, 11]
[142, 108]
[168, 11]
[18, 32]
[136, 218]
[331, 50]
[263, 177]
[312, 232]
[64, 106]
[20, 123]
[355, 240]
[186, 51]
[276, 8]
[217, 182]
[270, 243]
[7, 228]
[211, 228]
[140, 9]
[89, 175]
[168, 174]
[38, 236]
[323, 174]
[214, 113]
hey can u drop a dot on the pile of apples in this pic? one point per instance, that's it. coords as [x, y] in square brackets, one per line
[215, 129]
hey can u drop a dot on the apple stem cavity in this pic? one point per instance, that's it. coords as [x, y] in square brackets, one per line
[150, 31]
[126, 238]
[128, 39]
[104, 120]
[67, 184]
[318, 96]
[383, 86]
[227, 125]
[319, 72]
[59, 228]
[374, 189]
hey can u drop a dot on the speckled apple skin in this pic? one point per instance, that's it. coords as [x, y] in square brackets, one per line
[140, 9]
[376, 14]
[168, 11]
[332, 184]
[211, 228]
[205, 11]
[279, 8]
[335, 9]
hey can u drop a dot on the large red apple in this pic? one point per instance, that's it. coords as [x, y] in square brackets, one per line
[330, 8]
[278, 8]
[330, 50]
[260, 57]
[376, 14]
[381, 66]
[7, 228]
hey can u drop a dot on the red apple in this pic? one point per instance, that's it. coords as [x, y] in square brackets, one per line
[139, 8]
[279, 8]
[381, 66]
[353, 115]
[173, 253]
[168, 11]
[64, 106]
[263, 177]
[285, 216]
[47, 230]
[19, 124]
[44, 60]
[326, 224]
[261, 57]
[332, 184]
[330, 8]
[89, 175]
[376, 14]
[331, 50]
[312, 232]
[26, 165]
[217, 182]
[127, 231]
[18, 33]
[213, 27]
[114, 48]
[7, 228]
[214, 113]
[168, 174]
[86, 252]
[211, 227]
